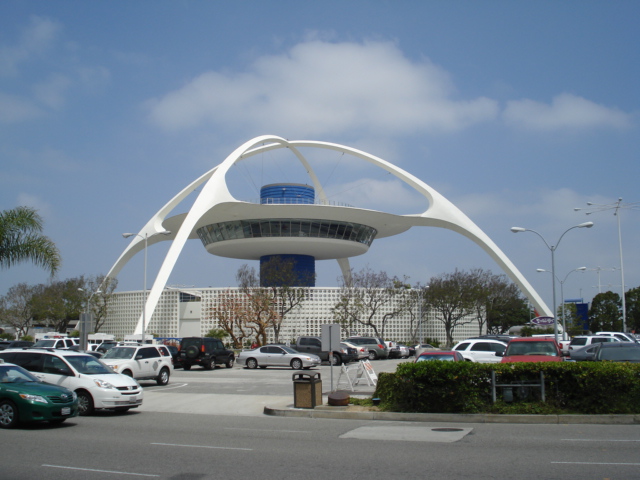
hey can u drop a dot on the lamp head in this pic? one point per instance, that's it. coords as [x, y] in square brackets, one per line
[586, 225]
[540, 270]
[517, 229]
[127, 235]
[581, 269]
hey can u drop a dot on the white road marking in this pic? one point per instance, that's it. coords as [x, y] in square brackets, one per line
[101, 471]
[201, 446]
[597, 463]
[267, 430]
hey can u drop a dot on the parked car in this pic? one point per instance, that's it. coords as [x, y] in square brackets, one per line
[443, 356]
[481, 350]
[206, 352]
[361, 351]
[341, 355]
[583, 354]
[56, 343]
[96, 385]
[618, 352]
[142, 362]
[375, 346]
[623, 337]
[584, 340]
[532, 349]
[104, 347]
[398, 351]
[423, 347]
[175, 355]
[4, 344]
[278, 356]
[24, 398]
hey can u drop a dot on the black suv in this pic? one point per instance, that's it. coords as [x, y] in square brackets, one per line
[205, 351]
[4, 344]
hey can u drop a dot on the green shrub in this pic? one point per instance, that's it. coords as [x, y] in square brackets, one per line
[465, 387]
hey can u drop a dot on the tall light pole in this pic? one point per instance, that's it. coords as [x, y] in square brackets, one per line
[86, 318]
[564, 323]
[616, 207]
[145, 237]
[553, 264]
[598, 270]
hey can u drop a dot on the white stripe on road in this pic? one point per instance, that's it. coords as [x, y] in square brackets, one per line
[101, 471]
[595, 440]
[597, 463]
[200, 446]
[267, 430]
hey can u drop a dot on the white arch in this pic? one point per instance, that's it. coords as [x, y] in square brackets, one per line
[440, 213]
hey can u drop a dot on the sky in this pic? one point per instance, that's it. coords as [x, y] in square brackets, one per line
[518, 112]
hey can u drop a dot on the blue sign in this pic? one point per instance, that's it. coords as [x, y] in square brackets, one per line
[542, 321]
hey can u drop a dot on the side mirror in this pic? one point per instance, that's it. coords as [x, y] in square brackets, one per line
[499, 354]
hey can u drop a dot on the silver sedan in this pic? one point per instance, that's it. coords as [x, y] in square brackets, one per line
[277, 356]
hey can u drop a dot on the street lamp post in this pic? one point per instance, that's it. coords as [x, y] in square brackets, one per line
[86, 318]
[564, 323]
[616, 207]
[144, 291]
[553, 248]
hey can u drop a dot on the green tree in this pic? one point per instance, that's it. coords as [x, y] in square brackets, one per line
[58, 303]
[452, 297]
[632, 301]
[21, 240]
[605, 313]
[16, 308]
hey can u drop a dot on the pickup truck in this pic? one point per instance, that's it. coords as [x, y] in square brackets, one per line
[314, 345]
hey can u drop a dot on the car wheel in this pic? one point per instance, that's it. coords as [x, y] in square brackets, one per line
[186, 366]
[8, 414]
[336, 360]
[85, 403]
[230, 363]
[252, 363]
[373, 355]
[163, 377]
[127, 373]
[296, 364]
[209, 364]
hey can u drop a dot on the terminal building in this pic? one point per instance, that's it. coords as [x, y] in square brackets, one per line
[291, 221]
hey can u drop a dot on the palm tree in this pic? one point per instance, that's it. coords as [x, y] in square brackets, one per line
[21, 240]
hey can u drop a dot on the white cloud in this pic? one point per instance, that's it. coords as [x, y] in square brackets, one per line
[565, 111]
[28, 200]
[14, 109]
[35, 39]
[321, 88]
[51, 92]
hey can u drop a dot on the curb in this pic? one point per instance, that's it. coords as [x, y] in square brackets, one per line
[341, 413]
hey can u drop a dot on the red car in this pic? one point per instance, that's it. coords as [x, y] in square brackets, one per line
[451, 356]
[532, 349]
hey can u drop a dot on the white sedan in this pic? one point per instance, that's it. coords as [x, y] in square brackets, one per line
[277, 356]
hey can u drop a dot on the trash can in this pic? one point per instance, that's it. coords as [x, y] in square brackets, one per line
[307, 389]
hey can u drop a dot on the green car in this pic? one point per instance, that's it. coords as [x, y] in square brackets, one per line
[24, 398]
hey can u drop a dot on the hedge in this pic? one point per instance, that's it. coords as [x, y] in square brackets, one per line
[465, 387]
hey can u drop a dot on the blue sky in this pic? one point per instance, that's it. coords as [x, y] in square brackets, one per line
[515, 111]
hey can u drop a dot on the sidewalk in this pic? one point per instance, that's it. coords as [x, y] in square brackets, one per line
[353, 412]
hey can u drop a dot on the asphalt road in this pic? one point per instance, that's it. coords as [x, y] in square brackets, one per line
[211, 444]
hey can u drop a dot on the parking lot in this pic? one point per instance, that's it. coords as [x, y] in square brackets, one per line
[240, 391]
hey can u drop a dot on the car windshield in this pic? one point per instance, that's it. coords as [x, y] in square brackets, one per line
[45, 343]
[530, 348]
[288, 349]
[444, 358]
[88, 365]
[120, 353]
[15, 374]
[621, 354]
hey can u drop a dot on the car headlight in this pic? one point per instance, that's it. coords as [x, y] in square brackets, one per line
[33, 398]
[102, 383]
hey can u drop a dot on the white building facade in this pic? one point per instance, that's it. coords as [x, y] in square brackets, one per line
[186, 312]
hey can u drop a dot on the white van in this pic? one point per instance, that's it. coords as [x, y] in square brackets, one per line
[97, 386]
[623, 337]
